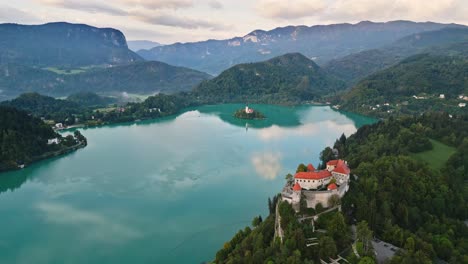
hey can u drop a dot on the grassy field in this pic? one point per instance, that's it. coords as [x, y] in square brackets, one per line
[68, 71]
[436, 157]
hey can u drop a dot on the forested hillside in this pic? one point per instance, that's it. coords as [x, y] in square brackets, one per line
[291, 78]
[394, 197]
[354, 67]
[139, 77]
[412, 86]
[23, 139]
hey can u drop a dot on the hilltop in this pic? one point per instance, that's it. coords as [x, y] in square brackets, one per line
[63, 44]
[291, 78]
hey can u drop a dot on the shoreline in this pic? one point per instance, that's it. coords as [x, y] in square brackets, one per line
[47, 155]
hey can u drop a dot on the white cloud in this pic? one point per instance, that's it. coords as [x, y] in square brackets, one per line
[174, 20]
[215, 4]
[159, 4]
[267, 164]
[14, 15]
[86, 6]
[293, 9]
[391, 10]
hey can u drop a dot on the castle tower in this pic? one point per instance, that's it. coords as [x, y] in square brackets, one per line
[296, 195]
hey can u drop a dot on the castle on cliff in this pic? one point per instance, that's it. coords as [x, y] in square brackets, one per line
[317, 186]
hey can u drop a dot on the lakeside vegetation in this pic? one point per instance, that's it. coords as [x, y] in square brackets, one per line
[24, 139]
[396, 198]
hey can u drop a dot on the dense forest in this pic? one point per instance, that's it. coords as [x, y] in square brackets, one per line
[24, 139]
[287, 79]
[412, 86]
[395, 197]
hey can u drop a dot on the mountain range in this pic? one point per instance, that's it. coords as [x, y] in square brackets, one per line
[321, 43]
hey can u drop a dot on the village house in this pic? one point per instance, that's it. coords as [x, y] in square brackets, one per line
[317, 186]
[53, 141]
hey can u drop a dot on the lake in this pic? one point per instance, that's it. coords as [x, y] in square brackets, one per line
[163, 191]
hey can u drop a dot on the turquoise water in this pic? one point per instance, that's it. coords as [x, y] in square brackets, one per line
[164, 191]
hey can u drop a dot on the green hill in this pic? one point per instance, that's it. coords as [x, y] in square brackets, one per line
[354, 67]
[424, 76]
[291, 78]
[138, 77]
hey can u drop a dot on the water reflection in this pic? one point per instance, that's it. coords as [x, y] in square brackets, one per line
[267, 164]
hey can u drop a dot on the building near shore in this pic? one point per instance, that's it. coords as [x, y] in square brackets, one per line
[318, 186]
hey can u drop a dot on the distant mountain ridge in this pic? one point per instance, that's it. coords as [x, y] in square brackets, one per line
[136, 45]
[287, 79]
[321, 43]
[63, 44]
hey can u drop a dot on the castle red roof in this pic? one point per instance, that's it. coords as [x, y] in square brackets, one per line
[297, 187]
[332, 186]
[342, 167]
[332, 162]
[310, 167]
[313, 175]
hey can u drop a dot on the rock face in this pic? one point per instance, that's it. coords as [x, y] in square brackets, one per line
[63, 44]
[321, 43]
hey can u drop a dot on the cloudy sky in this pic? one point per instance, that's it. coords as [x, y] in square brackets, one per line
[169, 21]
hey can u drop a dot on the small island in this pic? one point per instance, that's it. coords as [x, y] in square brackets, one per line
[248, 113]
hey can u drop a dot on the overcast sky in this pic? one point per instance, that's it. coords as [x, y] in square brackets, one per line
[169, 21]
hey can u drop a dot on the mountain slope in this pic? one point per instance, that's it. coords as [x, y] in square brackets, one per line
[138, 77]
[322, 43]
[354, 67]
[59, 44]
[425, 76]
[291, 78]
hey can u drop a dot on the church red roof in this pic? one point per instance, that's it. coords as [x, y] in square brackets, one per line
[310, 167]
[297, 187]
[332, 162]
[332, 186]
[313, 175]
